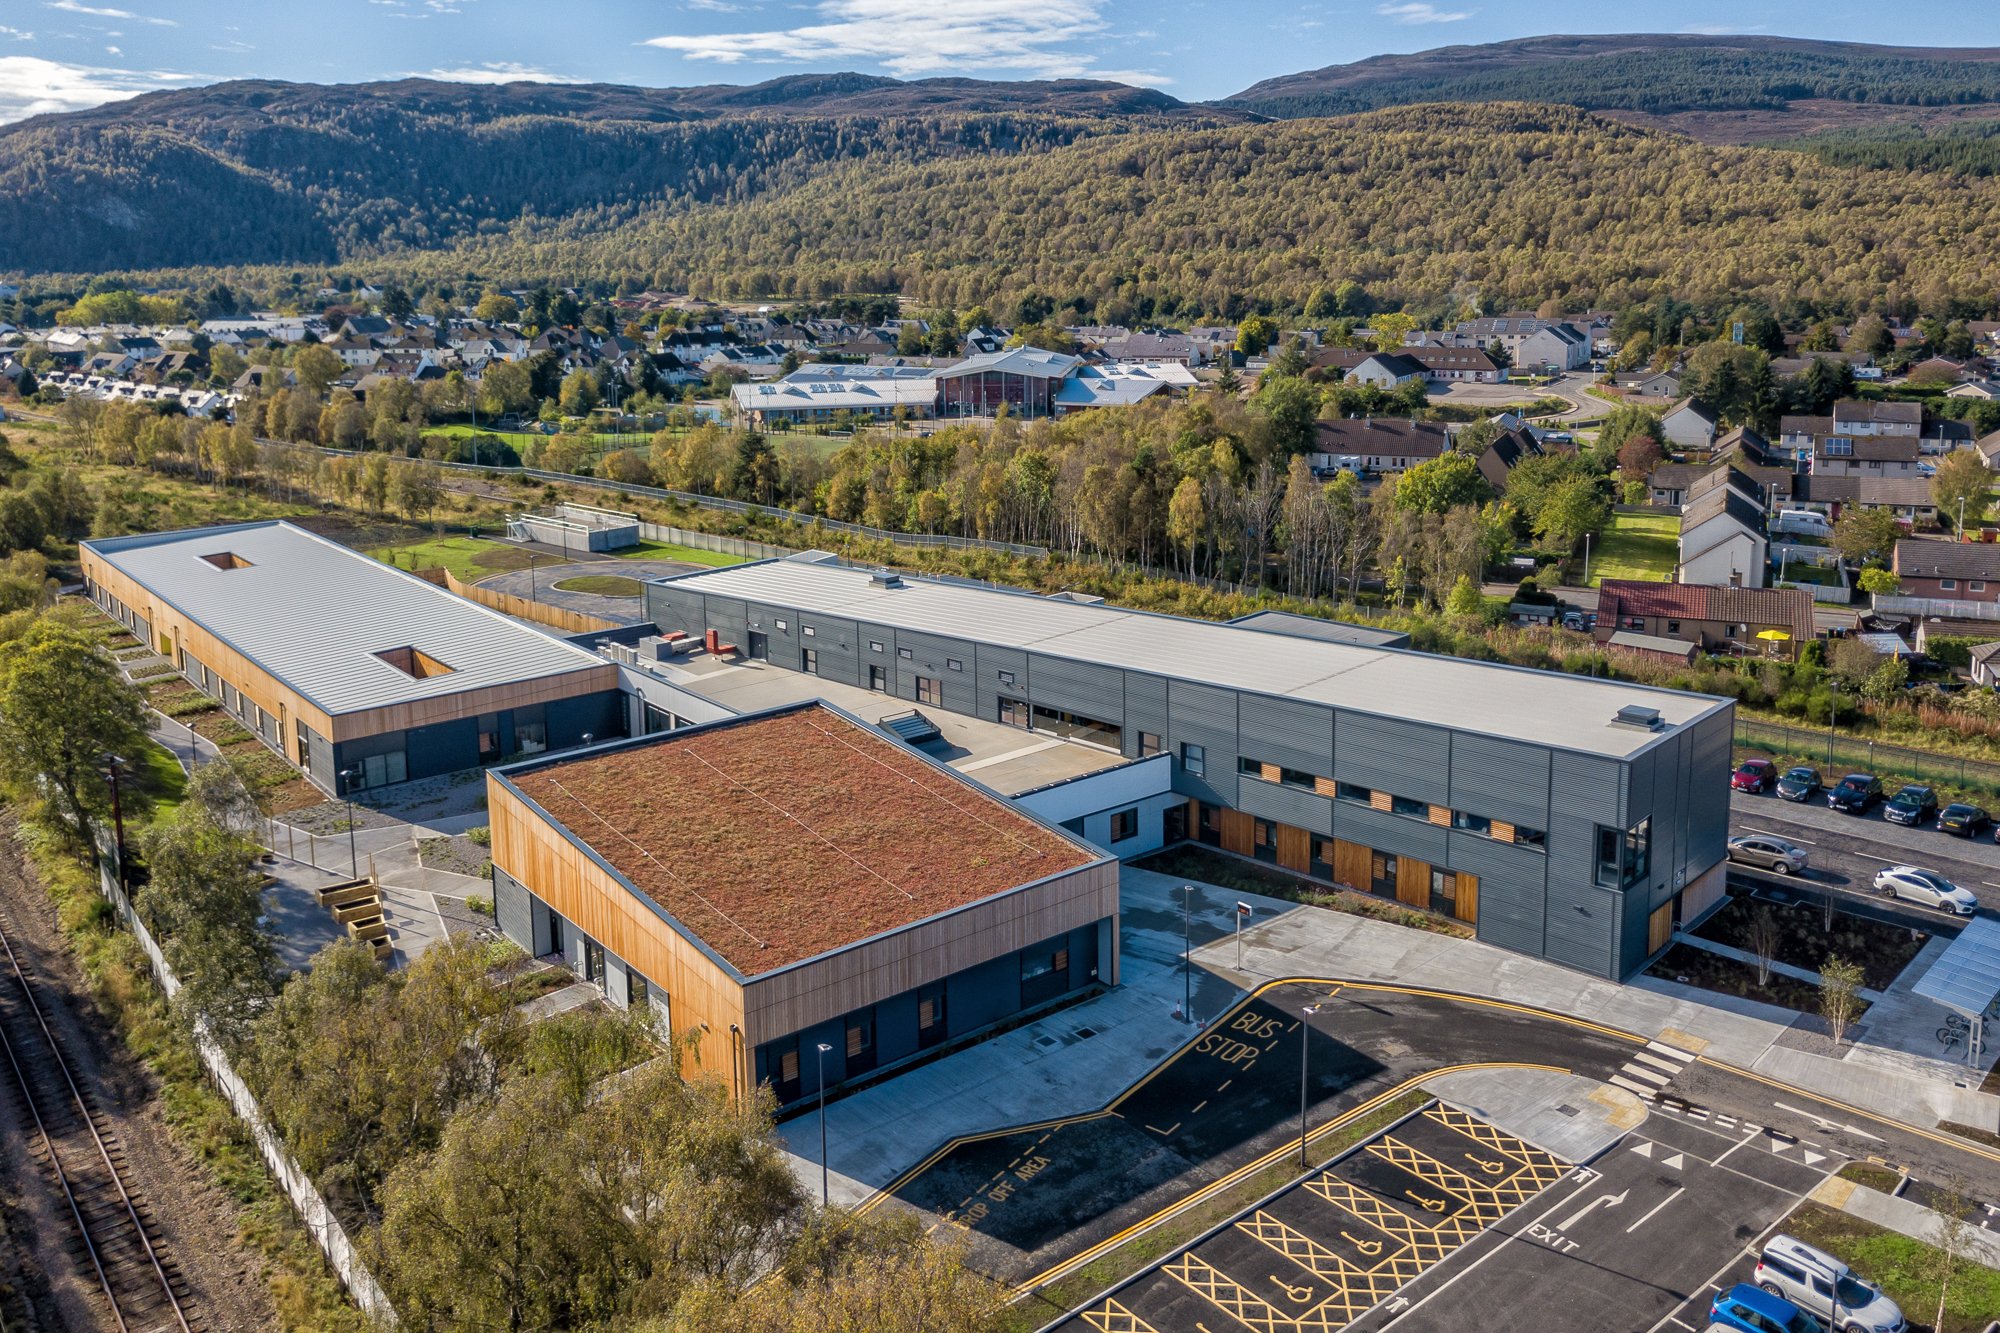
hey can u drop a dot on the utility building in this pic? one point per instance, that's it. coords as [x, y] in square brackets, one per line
[792, 879]
[1566, 817]
[343, 664]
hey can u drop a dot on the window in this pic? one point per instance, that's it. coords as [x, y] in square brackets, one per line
[1381, 872]
[1348, 791]
[1403, 805]
[1638, 851]
[1264, 840]
[930, 690]
[1610, 842]
[786, 1068]
[904, 653]
[781, 626]
[1297, 777]
[1322, 857]
[1976, 585]
[1014, 713]
[636, 992]
[1471, 823]
[1006, 678]
[1125, 825]
[930, 1015]
[1948, 583]
[489, 737]
[812, 661]
[808, 631]
[1249, 767]
[1624, 855]
[1530, 837]
[1444, 892]
[1633, 622]
[1673, 627]
[860, 1039]
[1194, 759]
[878, 679]
[874, 645]
[531, 737]
[1149, 744]
[953, 664]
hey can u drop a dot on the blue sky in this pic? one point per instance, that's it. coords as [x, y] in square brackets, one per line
[58, 55]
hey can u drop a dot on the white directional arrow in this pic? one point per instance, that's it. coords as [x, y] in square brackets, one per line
[1609, 1201]
[1396, 1306]
[1779, 1145]
[1675, 1161]
[1813, 1158]
[1644, 1148]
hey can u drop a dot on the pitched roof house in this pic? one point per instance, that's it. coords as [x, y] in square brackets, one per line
[1711, 618]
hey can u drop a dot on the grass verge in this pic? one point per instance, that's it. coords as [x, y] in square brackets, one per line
[604, 585]
[1636, 546]
[306, 1294]
[674, 551]
[1113, 1267]
[1906, 1269]
[469, 558]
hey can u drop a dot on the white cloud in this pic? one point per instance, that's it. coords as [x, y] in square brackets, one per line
[30, 86]
[1418, 11]
[713, 6]
[113, 51]
[919, 37]
[16, 34]
[77, 7]
[494, 71]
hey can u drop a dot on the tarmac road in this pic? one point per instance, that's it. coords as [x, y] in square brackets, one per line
[1847, 850]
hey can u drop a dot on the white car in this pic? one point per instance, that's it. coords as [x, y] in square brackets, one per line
[1926, 887]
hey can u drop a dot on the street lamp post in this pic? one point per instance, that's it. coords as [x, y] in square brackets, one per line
[823, 1049]
[347, 776]
[1832, 717]
[534, 594]
[118, 815]
[1832, 1289]
[1305, 1030]
[1187, 953]
[1586, 560]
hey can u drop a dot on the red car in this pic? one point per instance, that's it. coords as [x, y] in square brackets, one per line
[1758, 775]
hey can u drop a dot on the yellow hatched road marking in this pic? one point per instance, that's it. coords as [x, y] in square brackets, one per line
[1115, 1318]
[1218, 1289]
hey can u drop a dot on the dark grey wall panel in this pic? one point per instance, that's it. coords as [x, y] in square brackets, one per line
[1587, 786]
[931, 655]
[1145, 709]
[987, 664]
[1287, 732]
[836, 642]
[1206, 716]
[1510, 913]
[675, 609]
[1571, 847]
[1400, 834]
[1287, 805]
[1581, 927]
[1500, 779]
[1707, 828]
[780, 627]
[1484, 857]
[1393, 756]
[1078, 687]
[728, 617]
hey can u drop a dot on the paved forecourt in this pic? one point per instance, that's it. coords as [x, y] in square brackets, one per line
[1335, 1244]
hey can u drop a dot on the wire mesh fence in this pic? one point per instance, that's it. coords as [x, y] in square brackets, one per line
[1852, 754]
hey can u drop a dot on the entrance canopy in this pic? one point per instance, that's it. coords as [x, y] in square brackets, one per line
[1967, 976]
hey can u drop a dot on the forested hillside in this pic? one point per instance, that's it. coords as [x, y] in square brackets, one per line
[1511, 203]
[1968, 149]
[247, 173]
[1653, 73]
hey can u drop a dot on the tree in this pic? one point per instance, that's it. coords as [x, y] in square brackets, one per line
[1187, 518]
[1440, 484]
[418, 489]
[64, 709]
[1954, 1239]
[579, 393]
[374, 487]
[1255, 334]
[1839, 996]
[1497, 353]
[1880, 582]
[1887, 680]
[1962, 479]
[1864, 535]
[505, 387]
[1764, 942]
[1390, 329]
[316, 367]
[1870, 336]
[1572, 509]
[1637, 457]
[1290, 407]
[497, 308]
[1465, 601]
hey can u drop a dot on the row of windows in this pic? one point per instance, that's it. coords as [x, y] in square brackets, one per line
[1407, 806]
[1972, 585]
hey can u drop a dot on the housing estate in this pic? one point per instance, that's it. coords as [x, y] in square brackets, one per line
[1638, 614]
[814, 901]
[1948, 571]
[1375, 446]
[361, 674]
[1722, 540]
[1569, 818]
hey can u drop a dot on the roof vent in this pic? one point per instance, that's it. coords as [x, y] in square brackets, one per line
[227, 560]
[1633, 715]
[414, 663]
[886, 578]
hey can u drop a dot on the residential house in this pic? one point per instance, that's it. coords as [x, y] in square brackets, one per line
[1689, 424]
[1376, 445]
[1722, 541]
[1386, 370]
[1712, 619]
[1929, 629]
[1948, 571]
[1555, 348]
[1908, 498]
[1989, 449]
[1982, 389]
[1985, 665]
[1154, 347]
[1663, 384]
[1668, 483]
[1498, 461]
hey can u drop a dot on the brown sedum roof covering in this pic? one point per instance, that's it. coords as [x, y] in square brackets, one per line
[779, 838]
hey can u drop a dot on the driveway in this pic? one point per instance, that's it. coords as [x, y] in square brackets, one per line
[1570, 388]
[539, 583]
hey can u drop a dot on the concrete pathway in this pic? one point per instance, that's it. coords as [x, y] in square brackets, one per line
[1910, 1218]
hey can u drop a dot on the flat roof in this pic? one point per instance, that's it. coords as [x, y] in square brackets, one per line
[1516, 703]
[779, 837]
[1330, 631]
[315, 615]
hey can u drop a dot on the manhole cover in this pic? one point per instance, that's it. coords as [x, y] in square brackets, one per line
[1565, 1109]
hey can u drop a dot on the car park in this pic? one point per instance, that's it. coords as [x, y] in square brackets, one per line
[1912, 805]
[1962, 820]
[1748, 1309]
[1927, 887]
[1800, 784]
[1856, 794]
[1821, 1285]
[1768, 853]
[1758, 775]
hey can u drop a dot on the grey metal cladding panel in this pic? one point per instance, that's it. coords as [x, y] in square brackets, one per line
[1080, 687]
[1571, 847]
[1287, 732]
[1707, 818]
[1203, 714]
[1385, 832]
[1581, 925]
[1146, 710]
[929, 652]
[986, 665]
[1500, 779]
[1510, 914]
[1587, 786]
[1488, 859]
[1402, 758]
[675, 609]
[834, 641]
[1287, 805]
[730, 618]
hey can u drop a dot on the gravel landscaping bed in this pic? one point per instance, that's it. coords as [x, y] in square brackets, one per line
[1881, 950]
[460, 855]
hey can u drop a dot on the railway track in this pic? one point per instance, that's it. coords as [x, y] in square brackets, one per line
[115, 1245]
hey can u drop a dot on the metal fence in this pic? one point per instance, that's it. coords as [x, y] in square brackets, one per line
[1849, 754]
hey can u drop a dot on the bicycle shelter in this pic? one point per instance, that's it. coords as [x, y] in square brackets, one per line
[1966, 980]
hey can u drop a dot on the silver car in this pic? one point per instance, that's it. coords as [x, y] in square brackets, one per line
[1768, 853]
[1822, 1285]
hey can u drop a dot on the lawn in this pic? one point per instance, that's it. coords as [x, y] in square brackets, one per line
[671, 551]
[163, 779]
[1905, 1269]
[469, 558]
[604, 585]
[1636, 546]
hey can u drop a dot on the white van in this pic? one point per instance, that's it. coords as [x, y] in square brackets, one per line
[1802, 523]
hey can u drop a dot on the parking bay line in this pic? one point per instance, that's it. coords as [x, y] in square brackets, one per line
[1678, 1191]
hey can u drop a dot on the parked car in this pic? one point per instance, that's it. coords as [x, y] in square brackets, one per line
[1747, 1309]
[1768, 853]
[1800, 784]
[1812, 1280]
[1759, 775]
[1856, 793]
[1918, 885]
[1573, 620]
[1966, 821]
[1913, 805]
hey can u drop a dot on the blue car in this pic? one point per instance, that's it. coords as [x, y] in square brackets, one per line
[1747, 1309]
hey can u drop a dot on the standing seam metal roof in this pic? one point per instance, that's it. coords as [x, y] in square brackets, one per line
[1545, 707]
[313, 614]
